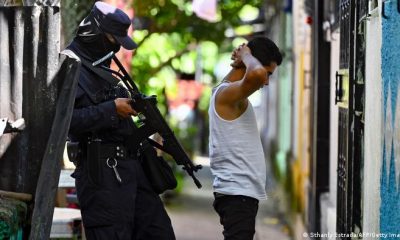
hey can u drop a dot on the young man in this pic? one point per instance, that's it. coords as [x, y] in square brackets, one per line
[115, 197]
[236, 154]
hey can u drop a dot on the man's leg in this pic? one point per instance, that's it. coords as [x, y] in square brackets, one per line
[108, 209]
[237, 215]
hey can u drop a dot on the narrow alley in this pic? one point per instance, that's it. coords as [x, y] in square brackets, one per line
[194, 218]
[327, 117]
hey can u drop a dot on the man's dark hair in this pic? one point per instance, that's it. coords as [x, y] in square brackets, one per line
[265, 50]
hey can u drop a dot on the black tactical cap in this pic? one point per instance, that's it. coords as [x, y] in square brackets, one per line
[115, 22]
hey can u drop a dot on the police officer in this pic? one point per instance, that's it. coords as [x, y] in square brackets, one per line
[115, 197]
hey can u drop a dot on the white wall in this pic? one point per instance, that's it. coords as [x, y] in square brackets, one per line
[373, 125]
[334, 119]
[301, 81]
[328, 216]
[301, 114]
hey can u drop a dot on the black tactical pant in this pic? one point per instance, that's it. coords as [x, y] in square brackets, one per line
[237, 215]
[122, 211]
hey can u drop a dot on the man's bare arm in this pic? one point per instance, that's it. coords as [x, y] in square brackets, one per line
[254, 78]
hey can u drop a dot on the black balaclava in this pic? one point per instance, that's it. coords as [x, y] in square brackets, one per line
[92, 42]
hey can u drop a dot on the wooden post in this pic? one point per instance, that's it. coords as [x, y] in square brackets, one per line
[51, 164]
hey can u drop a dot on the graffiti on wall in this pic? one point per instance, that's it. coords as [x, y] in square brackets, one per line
[390, 171]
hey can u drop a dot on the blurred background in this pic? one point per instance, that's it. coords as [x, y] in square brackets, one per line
[184, 50]
[328, 120]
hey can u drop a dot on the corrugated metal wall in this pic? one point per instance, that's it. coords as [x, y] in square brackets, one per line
[33, 86]
[29, 49]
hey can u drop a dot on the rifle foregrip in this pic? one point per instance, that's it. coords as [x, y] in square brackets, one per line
[191, 171]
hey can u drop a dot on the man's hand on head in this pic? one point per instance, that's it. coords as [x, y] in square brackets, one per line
[238, 54]
[124, 108]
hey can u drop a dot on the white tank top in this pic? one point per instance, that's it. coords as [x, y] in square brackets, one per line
[236, 155]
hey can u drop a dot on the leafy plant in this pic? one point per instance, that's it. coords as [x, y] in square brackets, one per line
[169, 35]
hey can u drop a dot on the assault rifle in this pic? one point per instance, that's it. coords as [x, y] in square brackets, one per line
[151, 119]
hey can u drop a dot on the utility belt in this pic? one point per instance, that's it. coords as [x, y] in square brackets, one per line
[113, 150]
[98, 155]
[100, 150]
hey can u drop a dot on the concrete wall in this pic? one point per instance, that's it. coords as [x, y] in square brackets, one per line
[334, 119]
[301, 114]
[300, 120]
[390, 158]
[373, 124]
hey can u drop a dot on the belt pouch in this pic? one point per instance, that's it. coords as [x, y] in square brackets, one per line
[157, 170]
[94, 167]
[73, 151]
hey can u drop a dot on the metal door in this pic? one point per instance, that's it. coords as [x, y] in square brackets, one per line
[350, 100]
[342, 100]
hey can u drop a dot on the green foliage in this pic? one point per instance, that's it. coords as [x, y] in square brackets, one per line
[11, 3]
[204, 99]
[12, 217]
[176, 16]
[172, 36]
[173, 40]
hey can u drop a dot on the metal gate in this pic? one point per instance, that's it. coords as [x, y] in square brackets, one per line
[350, 100]
[342, 100]
[357, 115]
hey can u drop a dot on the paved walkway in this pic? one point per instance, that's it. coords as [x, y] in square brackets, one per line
[193, 216]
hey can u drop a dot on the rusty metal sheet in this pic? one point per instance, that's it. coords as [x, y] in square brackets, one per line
[29, 53]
